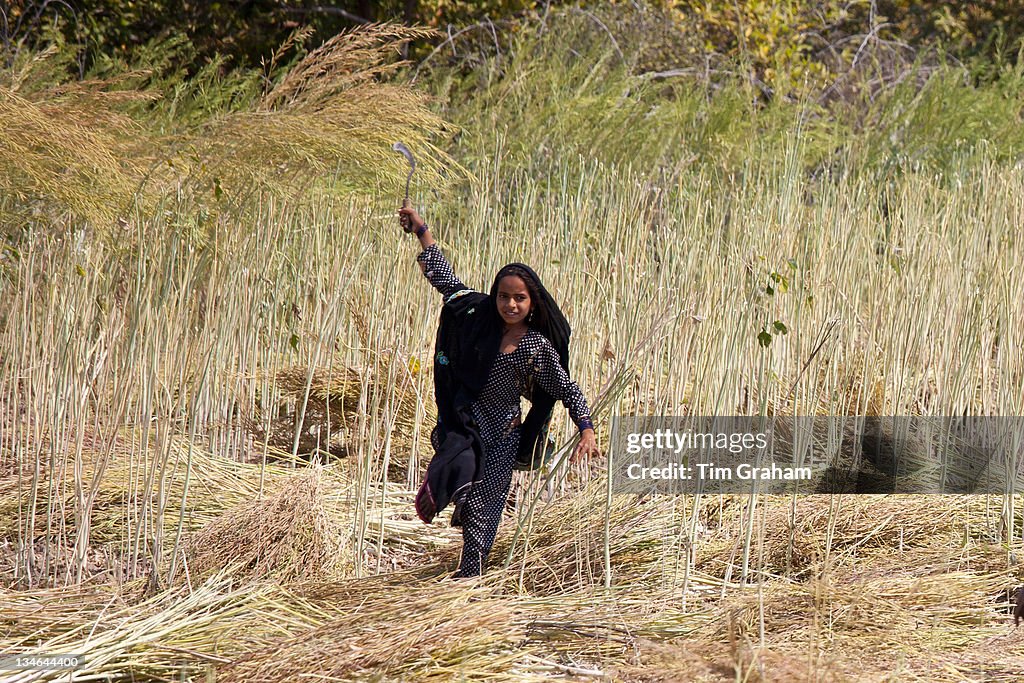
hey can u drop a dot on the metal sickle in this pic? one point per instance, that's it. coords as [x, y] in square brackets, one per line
[404, 151]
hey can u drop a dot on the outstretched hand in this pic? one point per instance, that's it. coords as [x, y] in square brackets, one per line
[586, 447]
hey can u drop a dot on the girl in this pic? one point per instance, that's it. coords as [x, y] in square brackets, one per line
[491, 349]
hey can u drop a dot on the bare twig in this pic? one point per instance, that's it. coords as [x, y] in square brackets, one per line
[611, 37]
[450, 40]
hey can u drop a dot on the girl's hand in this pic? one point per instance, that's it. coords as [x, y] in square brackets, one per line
[586, 447]
[410, 220]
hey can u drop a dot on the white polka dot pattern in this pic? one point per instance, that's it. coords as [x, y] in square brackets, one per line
[534, 362]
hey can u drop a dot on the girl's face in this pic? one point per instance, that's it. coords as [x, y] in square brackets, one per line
[513, 300]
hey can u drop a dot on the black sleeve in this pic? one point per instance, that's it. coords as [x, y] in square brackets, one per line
[553, 378]
[439, 272]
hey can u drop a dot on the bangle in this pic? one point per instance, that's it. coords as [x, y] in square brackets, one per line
[421, 230]
[584, 423]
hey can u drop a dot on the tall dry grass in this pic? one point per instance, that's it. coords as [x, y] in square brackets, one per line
[141, 134]
[115, 357]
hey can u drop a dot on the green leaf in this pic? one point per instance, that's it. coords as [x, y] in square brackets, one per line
[780, 327]
[293, 341]
[781, 281]
[764, 338]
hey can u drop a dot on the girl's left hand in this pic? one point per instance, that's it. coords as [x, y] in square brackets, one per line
[586, 447]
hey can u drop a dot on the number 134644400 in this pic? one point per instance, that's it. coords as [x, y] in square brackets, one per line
[45, 661]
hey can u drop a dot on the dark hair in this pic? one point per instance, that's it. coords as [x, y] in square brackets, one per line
[548, 321]
[539, 316]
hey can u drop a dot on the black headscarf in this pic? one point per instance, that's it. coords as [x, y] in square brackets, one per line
[547, 319]
[468, 339]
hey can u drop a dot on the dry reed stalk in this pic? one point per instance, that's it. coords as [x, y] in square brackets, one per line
[287, 536]
[407, 631]
[216, 485]
[175, 633]
[232, 483]
[330, 421]
[830, 627]
[564, 549]
[801, 537]
[489, 634]
[29, 616]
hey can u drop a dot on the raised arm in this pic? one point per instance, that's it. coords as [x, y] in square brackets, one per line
[432, 262]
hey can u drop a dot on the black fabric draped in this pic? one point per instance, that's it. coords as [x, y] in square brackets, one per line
[549, 321]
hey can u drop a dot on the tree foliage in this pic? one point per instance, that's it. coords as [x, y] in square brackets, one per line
[782, 42]
[245, 31]
[785, 42]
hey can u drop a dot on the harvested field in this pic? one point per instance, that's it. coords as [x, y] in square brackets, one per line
[217, 349]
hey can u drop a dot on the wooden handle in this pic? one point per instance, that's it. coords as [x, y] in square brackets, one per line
[407, 226]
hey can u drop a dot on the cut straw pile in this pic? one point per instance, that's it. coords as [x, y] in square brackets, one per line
[561, 546]
[394, 630]
[215, 484]
[911, 586]
[797, 537]
[288, 536]
[172, 636]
